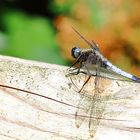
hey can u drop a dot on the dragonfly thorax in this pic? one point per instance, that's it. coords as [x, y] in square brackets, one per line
[76, 52]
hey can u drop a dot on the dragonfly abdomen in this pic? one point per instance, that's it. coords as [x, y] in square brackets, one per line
[121, 72]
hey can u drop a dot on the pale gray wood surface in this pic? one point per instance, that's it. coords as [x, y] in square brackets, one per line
[26, 116]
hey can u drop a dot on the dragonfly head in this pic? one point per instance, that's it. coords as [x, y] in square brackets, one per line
[76, 52]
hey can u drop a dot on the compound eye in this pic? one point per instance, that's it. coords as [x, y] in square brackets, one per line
[75, 52]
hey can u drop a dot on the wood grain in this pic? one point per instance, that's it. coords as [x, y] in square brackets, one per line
[44, 106]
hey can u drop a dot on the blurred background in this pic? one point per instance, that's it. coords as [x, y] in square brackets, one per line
[42, 29]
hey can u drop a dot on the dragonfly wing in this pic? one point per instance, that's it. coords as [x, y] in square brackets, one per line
[113, 75]
[105, 73]
[96, 113]
[83, 108]
[94, 46]
[97, 109]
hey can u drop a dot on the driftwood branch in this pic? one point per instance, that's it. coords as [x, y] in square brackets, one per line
[38, 101]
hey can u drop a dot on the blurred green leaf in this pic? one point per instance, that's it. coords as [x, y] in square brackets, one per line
[31, 38]
[3, 41]
[62, 7]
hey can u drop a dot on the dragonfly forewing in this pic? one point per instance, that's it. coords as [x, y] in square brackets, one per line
[92, 108]
[96, 113]
[85, 103]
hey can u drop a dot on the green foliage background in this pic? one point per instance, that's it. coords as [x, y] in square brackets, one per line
[30, 36]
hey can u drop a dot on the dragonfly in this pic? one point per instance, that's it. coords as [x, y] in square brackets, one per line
[91, 62]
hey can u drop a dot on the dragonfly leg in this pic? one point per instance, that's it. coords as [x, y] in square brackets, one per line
[87, 78]
[77, 61]
[70, 69]
[74, 64]
[78, 69]
[84, 84]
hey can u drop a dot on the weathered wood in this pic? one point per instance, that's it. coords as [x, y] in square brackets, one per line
[47, 109]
